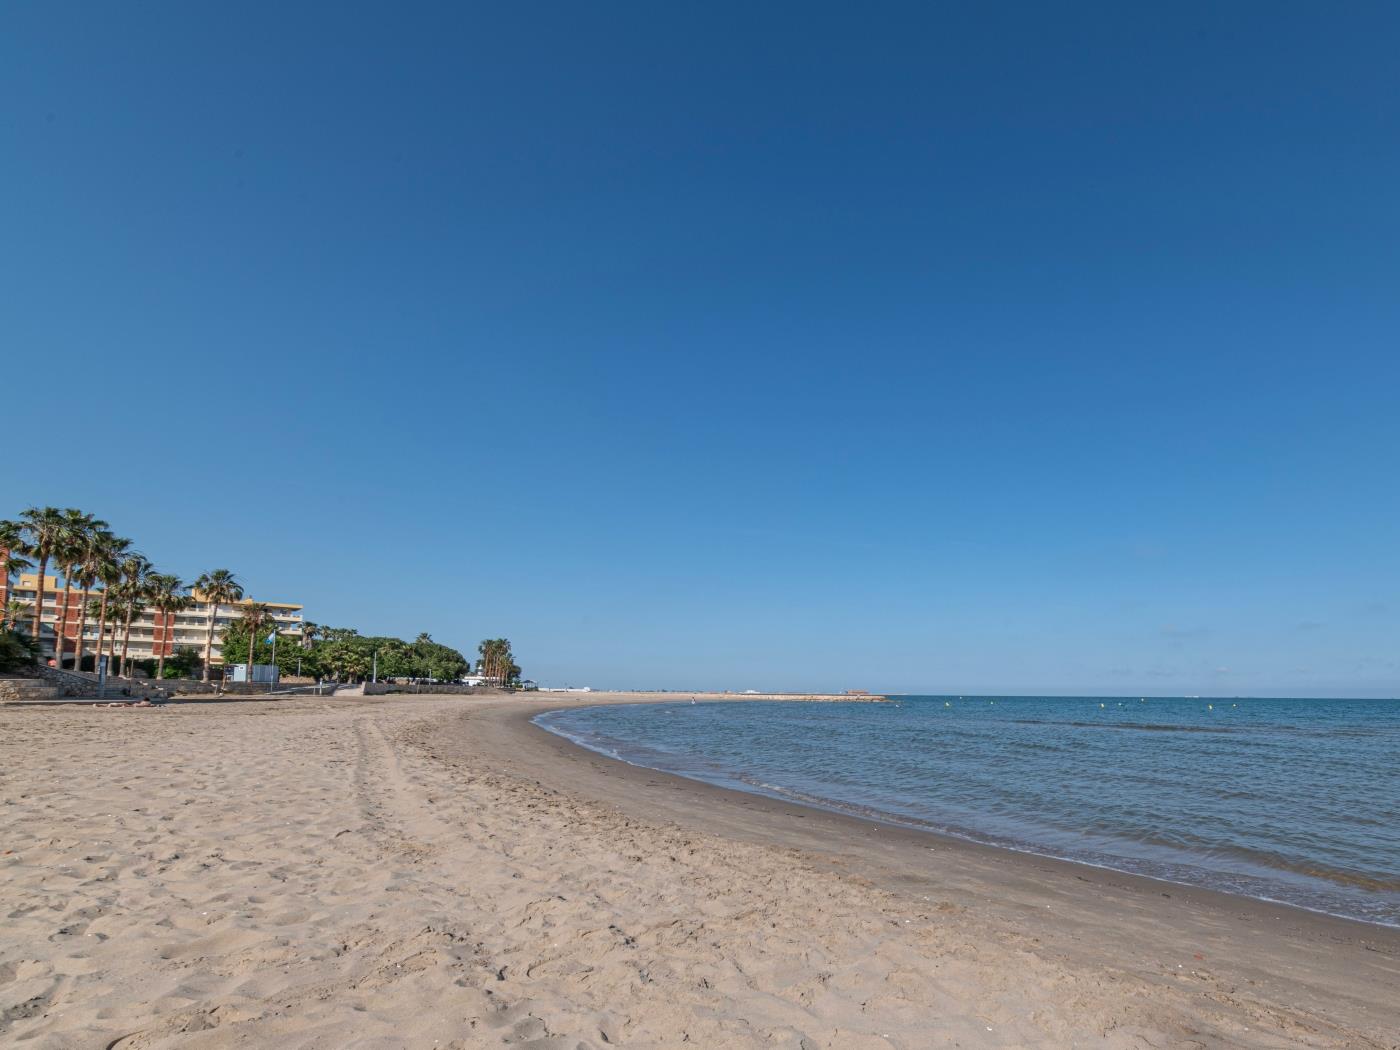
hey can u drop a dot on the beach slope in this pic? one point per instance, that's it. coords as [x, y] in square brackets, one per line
[440, 873]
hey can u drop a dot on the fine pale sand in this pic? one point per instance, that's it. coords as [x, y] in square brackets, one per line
[427, 872]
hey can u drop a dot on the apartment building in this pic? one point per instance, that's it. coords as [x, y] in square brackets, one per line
[151, 633]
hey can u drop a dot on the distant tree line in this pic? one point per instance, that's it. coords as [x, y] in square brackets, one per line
[342, 653]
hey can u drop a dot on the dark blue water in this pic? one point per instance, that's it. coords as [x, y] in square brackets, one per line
[1288, 800]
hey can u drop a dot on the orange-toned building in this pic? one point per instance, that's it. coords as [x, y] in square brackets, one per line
[152, 632]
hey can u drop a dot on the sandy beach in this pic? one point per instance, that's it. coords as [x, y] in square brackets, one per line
[438, 872]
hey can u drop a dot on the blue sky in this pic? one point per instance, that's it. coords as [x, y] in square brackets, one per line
[924, 347]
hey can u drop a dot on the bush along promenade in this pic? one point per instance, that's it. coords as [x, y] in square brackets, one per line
[345, 655]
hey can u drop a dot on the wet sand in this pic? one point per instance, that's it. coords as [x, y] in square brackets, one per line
[440, 872]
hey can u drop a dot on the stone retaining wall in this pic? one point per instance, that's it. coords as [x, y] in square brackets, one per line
[17, 690]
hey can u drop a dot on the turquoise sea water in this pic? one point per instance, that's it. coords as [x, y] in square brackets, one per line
[1288, 800]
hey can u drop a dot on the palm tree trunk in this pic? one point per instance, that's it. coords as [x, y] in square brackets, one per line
[39, 597]
[102, 629]
[252, 641]
[160, 659]
[60, 621]
[209, 638]
[126, 641]
[82, 629]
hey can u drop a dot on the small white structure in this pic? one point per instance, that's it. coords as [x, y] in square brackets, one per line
[266, 673]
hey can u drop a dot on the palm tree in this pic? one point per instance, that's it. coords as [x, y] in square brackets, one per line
[11, 615]
[67, 554]
[87, 569]
[122, 606]
[93, 606]
[131, 602]
[12, 551]
[133, 589]
[219, 587]
[107, 626]
[496, 660]
[505, 661]
[106, 568]
[309, 633]
[256, 616]
[168, 596]
[347, 662]
[47, 530]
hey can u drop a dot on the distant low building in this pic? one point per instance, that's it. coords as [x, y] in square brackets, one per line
[261, 673]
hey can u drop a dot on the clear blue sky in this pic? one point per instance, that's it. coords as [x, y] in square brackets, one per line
[995, 348]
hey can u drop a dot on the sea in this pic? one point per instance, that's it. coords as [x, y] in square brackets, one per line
[1288, 800]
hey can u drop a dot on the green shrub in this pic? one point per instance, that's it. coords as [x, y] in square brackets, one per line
[17, 651]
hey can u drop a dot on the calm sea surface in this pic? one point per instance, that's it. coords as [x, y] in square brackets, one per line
[1288, 800]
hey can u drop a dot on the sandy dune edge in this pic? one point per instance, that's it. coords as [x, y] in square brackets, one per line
[406, 873]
